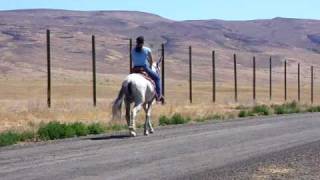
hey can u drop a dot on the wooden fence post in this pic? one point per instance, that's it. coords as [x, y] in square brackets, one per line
[235, 78]
[190, 74]
[213, 77]
[48, 69]
[254, 77]
[130, 55]
[94, 81]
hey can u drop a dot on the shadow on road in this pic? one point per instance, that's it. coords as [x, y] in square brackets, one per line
[122, 136]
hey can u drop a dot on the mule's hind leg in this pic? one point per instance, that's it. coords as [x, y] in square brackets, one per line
[132, 125]
[128, 113]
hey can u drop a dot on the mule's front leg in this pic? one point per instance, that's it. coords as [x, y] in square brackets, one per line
[149, 119]
[150, 125]
[146, 128]
[132, 124]
[147, 125]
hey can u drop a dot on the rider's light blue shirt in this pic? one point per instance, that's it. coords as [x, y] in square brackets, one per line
[141, 58]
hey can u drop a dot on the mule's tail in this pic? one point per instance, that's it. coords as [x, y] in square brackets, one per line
[117, 105]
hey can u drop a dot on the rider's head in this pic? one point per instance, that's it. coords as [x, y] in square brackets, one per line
[140, 42]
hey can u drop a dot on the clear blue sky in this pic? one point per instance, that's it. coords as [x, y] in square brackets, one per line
[185, 9]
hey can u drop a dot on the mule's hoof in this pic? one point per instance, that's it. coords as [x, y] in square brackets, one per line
[146, 133]
[133, 134]
[151, 131]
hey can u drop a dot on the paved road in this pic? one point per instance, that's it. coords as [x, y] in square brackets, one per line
[171, 153]
[297, 163]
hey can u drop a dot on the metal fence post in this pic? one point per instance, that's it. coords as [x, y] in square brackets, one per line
[213, 76]
[94, 85]
[285, 80]
[235, 78]
[130, 55]
[311, 84]
[299, 96]
[254, 77]
[270, 78]
[190, 74]
[48, 69]
[162, 69]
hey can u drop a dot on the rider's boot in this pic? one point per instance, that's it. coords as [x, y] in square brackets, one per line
[160, 99]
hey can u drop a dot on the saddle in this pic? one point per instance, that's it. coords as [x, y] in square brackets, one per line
[140, 70]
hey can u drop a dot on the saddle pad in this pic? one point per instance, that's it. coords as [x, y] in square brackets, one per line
[140, 70]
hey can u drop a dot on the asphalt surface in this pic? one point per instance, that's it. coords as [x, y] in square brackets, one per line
[297, 163]
[229, 150]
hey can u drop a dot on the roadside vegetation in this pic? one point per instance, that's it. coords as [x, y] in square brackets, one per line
[175, 119]
[287, 108]
[56, 130]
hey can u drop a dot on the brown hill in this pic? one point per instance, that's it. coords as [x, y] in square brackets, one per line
[22, 41]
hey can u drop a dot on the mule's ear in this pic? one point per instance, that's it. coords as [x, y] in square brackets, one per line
[159, 61]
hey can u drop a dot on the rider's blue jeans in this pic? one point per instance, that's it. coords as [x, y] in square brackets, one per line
[155, 77]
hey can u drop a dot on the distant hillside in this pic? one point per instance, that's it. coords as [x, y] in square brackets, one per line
[22, 40]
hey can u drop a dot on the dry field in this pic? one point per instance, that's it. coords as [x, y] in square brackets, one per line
[23, 101]
[23, 62]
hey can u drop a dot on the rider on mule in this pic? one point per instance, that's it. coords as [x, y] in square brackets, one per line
[142, 58]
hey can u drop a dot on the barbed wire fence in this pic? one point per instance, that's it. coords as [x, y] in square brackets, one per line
[267, 70]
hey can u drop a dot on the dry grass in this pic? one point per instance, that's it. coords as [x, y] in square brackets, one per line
[23, 101]
[273, 172]
[28, 114]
